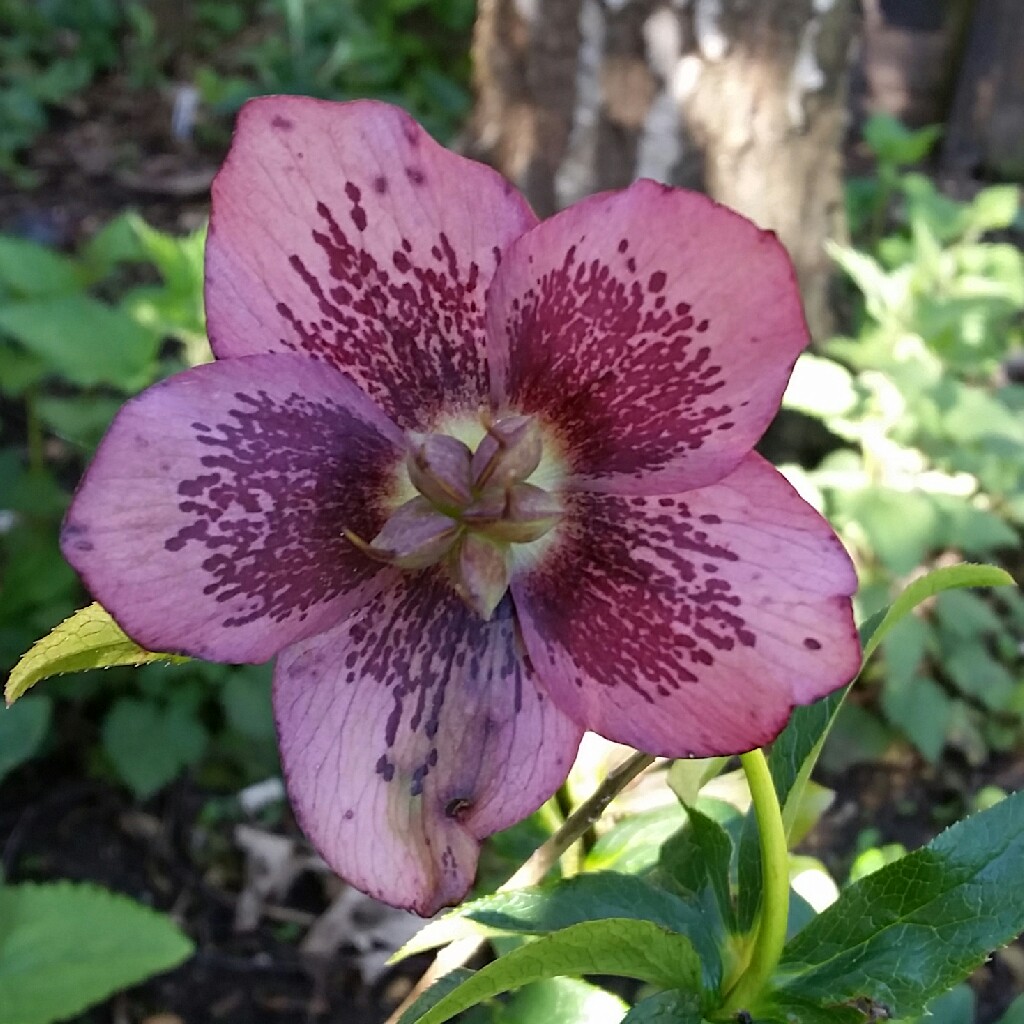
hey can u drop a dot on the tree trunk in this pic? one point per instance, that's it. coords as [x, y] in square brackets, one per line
[741, 98]
[985, 137]
[912, 52]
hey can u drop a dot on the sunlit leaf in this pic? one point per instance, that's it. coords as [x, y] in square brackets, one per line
[67, 946]
[913, 929]
[625, 948]
[947, 578]
[89, 639]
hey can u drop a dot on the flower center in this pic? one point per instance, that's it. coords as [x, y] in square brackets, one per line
[470, 508]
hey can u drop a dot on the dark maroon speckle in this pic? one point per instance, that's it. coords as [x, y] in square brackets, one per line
[282, 480]
[407, 328]
[621, 573]
[618, 371]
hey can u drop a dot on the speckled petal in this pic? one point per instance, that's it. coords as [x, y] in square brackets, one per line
[411, 732]
[691, 624]
[211, 520]
[654, 330]
[343, 231]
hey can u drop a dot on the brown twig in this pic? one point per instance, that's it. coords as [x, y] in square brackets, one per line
[533, 870]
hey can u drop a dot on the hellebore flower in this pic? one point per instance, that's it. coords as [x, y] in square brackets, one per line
[479, 483]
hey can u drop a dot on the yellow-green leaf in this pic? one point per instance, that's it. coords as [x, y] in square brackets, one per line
[89, 639]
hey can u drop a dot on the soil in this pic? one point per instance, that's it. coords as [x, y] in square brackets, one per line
[54, 824]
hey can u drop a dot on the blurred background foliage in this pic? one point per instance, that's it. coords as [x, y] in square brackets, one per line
[906, 429]
[924, 406]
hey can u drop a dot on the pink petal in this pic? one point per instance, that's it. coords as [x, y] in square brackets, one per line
[211, 520]
[691, 624]
[342, 230]
[409, 733]
[654, 329]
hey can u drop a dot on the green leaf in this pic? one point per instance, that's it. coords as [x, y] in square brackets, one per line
[625, 948]
[697, 859]
[589, 897]
[245, 698]
[564, 1000]
[31, 270]
[896, 144]
[856, 737]
[84, 340]
[89, 639]
[632, 845]
[782, 1009]
[688, 775]
[938, 580]
[19, 369]
[913, 929]
[920, 708]
[673, 1007]
[80, 419]
[965, 615]
[441, 988]
[66, 947]
[150, 745]
[22, 731]
[797, 741]
[994, 208]
[116, 242]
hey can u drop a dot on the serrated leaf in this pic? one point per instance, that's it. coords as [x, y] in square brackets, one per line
[589, 897]
[913, 929]
[65, 947]
[625, 948]
[564, 1000]
[674, 1007]
[88, 639]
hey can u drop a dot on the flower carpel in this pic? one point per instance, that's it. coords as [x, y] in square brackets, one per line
[469, 509]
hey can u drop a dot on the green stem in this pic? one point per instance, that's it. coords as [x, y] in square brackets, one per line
[774, 913]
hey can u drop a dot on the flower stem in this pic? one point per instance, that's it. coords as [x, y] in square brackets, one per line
[774, 914]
